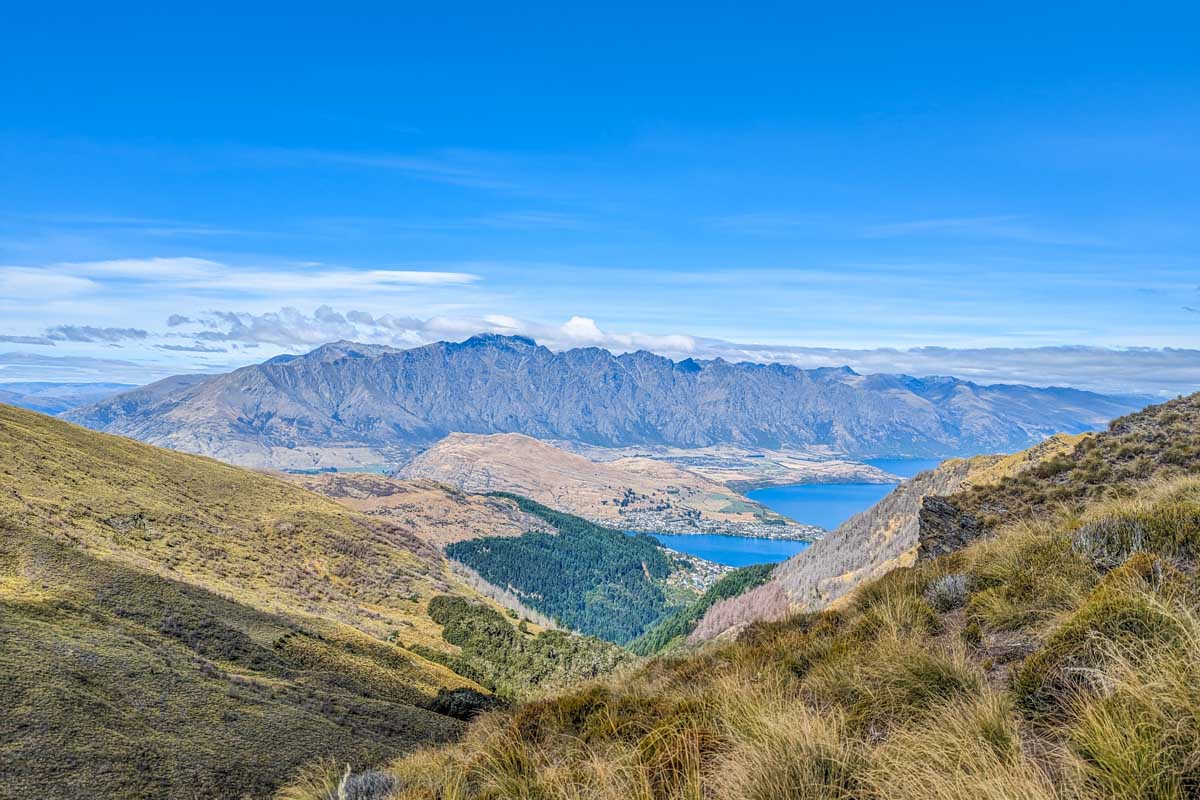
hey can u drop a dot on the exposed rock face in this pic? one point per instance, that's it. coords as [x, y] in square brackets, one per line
[346, 404]
[943, 529]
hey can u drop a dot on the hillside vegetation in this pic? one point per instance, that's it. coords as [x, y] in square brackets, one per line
[675, 629]
[865, 546]
[596, 580]
[173, 626]
[1057, 657]
[516, 662]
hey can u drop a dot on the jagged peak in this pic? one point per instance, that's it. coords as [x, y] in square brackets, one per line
[499, 339]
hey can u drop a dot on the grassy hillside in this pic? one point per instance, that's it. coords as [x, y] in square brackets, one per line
[169, 621]
[593, 579]
[173, 626]
[120, 683]
[1058, 657]
[235, 532]
[1156, 443]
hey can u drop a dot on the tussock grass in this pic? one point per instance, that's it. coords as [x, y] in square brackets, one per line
[898, 694]
[969, 750]
[1138, 735]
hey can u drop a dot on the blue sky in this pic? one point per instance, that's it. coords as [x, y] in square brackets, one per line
[1003, 192]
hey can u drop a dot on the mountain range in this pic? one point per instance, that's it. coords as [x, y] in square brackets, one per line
[55, 398]
[347, 404]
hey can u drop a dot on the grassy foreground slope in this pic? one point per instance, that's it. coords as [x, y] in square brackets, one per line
[1056, 657]
[173, 626]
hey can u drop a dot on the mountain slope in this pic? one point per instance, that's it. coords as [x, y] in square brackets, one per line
[121, 683]
[634, 493]
[346, 404]
[431, 511]
[869, 544]
[1059, 657]
[174, 626]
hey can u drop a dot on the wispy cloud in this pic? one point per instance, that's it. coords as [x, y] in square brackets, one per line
[38, 340]
[198, 274]
[191, 348]
[1004, 227]
[35, 283]
[90, 333]
[459, 167]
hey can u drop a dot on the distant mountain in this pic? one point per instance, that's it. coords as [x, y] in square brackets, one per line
[346, 404]
[55, 398]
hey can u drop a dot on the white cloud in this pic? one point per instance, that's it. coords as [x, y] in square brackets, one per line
[40, 284]
[1130, 370]
[153, 269]
[210, 276]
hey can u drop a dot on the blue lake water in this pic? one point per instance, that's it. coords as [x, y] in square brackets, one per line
[825, 504]
[734, 551]
[904, 467]
[831, 504]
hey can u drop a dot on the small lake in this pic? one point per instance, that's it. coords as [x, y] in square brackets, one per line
[733, 551]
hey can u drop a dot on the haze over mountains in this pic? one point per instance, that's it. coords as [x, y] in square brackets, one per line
[346, 404]
[55, 398]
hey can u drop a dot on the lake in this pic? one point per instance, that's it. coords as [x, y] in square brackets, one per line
[903, 467]
[733, 551]
[830, 504]
[825, 504]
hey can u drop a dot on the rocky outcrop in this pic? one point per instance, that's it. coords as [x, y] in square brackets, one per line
[943, 529]
[346, 404]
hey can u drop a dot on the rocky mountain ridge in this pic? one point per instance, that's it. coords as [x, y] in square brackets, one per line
[346, 404]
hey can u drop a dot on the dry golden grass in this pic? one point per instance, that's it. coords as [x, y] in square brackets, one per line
[882, 700]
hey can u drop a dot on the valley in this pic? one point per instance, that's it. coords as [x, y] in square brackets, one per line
[594, 401]
[402, 607]
[1003, 626]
